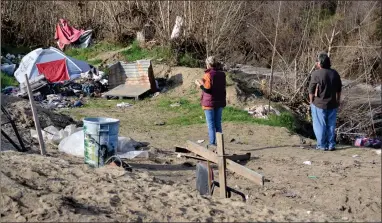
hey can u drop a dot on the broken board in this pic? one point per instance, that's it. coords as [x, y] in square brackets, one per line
[129, 91]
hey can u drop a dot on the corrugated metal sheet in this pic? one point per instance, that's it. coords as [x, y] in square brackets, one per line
[138, 72]
[133, 75]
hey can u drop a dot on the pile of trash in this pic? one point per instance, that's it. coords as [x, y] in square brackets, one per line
[368, 142]
[9, 63]
[71, 141]
[262, 111]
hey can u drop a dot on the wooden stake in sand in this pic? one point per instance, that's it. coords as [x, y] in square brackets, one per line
[35, 117]
[222, 165]
[231, 165]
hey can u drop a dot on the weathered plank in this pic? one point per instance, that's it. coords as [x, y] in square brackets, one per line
[231, 165]
[35, 117]
[222, 165]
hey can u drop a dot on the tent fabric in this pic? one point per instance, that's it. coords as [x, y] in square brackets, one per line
[66, 34]
[54, 71]
[28, 64]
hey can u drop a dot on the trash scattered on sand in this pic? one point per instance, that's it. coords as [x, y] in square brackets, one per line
[177, 104]
[160, 123]
[312, 177]
[368, 142]
[262, 111]
[200, 141]
[124, 105]
[355, 156]
[307, 162]
[378, 152]
[291, 195]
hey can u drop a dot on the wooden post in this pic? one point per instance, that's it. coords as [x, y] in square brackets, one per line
[209, 177]
[35, 117]
[231, 165]
[222, 165]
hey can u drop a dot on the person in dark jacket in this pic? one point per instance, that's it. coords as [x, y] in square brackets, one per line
[324, 97]
[213, 99]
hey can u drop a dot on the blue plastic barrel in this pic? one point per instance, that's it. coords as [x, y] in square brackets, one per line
[100, 140]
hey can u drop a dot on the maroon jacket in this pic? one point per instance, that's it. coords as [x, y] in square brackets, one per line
[215, 96]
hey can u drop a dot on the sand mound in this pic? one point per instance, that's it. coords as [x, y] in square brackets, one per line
[20, 110]
[37, 188]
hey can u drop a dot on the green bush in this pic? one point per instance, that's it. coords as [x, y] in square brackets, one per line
[188, 60]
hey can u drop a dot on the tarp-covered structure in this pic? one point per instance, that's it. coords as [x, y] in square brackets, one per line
[66, 35]
[52, 63]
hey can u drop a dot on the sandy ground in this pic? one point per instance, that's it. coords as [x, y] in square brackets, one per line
[335, 187]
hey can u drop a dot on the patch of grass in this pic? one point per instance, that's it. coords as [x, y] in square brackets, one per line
[189, 113]
[95, 62]
[103, 103]
[188, 60]
[135, 52]
[86, 54]
[7, 80]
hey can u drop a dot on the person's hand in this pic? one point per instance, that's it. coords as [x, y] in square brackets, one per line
[198, 83]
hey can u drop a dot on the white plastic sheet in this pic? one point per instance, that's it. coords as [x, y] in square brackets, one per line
[74, 145]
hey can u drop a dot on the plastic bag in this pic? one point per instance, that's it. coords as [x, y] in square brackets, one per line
[126, 144]
[70, 129]
[134, 154]
[73, 144]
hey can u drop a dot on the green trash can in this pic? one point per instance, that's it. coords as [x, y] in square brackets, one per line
[100, 139]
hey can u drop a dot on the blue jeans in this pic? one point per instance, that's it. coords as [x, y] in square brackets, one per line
[324, 125]
[214, 123]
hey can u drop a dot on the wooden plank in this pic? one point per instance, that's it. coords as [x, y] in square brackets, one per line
[179, 149]
[222, 165]
[234, 157]
[231, 165]
[35, 117]
[209, 177]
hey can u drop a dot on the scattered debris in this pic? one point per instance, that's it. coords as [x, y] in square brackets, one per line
[74, 145]
[312, 177]
[200, 141]
[134, 154]
[156, 94]
[124, 105]
[160, 123]
[291, 195]
[308, 212]
[368, 142]
[177, 104]
[307, 162]
[262, 111]
[232, 140]
[378, 152]
[355, 156]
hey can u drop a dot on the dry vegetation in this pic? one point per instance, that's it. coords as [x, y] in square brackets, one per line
[238, 32]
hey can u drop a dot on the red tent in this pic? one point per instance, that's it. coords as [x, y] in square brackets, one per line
[54, 71]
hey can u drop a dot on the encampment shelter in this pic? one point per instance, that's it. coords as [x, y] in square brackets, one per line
[52, 63]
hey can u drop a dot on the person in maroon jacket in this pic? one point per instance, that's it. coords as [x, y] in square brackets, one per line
[213, 99]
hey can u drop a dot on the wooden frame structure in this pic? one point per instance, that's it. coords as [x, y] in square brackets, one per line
[224, 163]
